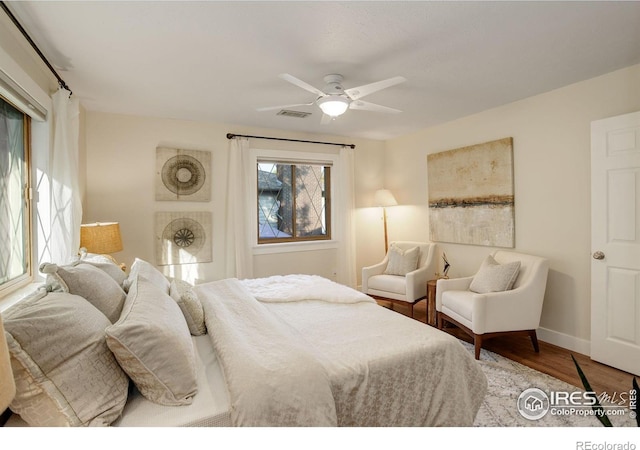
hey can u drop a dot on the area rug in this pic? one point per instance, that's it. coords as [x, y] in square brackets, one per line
[508, 379]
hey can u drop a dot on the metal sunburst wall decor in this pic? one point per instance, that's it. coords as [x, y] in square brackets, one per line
[183, 175]
[183, 237]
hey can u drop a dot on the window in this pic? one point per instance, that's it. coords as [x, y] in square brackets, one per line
[15, 223]
[294, 202]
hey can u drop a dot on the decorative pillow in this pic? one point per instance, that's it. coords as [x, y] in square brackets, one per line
[494, 277]
[64, 372]
[152, 343]
[184, 295]
[105, 264]
[89, 282]
[401, 262]
[148, 271]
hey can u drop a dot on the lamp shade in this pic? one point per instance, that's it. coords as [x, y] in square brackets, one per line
[384, 197]
[333, 105]
[7, 385]
[102, 238]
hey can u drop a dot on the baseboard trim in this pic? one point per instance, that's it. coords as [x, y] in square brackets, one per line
[569, 342]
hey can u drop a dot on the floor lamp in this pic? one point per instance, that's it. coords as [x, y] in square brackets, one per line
[384, 198]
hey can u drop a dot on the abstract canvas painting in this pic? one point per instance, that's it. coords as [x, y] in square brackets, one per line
[183, 175]
[183, 237]
[471, 197]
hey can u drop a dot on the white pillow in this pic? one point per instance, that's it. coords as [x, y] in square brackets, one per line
[494, 277]
[87, 281]
[148, 271]
[189, 303]
[64, 372]
[152, 343]
[401, 262]
[103, 262]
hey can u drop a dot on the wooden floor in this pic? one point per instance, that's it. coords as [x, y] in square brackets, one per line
[553, 360]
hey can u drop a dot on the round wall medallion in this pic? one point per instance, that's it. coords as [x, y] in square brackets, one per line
[184, 237]
[183, 175]
[184, 234]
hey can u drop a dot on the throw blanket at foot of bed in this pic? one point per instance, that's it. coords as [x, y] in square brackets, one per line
[271, 378]
[296, 288]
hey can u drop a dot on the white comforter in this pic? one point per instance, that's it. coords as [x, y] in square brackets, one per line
[272, 379]
[338, 359]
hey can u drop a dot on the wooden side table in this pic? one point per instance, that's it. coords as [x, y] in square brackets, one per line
[431, 303]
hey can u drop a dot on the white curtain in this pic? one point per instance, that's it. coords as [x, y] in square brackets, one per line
[66, 203]
[238, 254]
[345, 218]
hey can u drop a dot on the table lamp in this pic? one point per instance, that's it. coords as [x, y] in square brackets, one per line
[384, 198]
[102, 238]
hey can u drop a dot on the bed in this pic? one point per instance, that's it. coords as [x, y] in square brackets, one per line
[300, 350]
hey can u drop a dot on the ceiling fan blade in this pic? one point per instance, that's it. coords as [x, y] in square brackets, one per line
[326, 119]
[368, 106]
[271, 108]
[298, 82]
[360, 91]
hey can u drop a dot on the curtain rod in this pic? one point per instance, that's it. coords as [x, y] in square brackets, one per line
[232, 136]
[61, 82]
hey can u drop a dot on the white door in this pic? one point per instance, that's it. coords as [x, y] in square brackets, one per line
[615, 241]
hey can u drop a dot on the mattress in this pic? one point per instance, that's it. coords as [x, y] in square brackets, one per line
[210, 407]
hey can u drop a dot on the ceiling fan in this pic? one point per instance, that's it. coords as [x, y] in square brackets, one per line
[334, 100]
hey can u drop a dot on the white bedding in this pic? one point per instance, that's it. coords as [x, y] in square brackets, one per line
[272, 379]
[210, 407]
[382, 368]
[339, 359]
[295, 288]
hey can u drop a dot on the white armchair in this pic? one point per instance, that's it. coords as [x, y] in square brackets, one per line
[487, 315]
[408, 289]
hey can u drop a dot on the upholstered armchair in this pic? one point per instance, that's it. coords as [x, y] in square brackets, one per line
[497, 300]
[401, 277]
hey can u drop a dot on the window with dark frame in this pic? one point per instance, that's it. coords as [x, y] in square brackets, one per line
[294, 202]
[15, 215]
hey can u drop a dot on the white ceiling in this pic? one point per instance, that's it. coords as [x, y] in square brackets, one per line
[219, 61]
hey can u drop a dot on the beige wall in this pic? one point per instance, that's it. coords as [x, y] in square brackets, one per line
[551, 135]
[551, 141]
[120, 187]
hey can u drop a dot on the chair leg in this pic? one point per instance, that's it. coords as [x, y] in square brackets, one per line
[534, 340]
[411, 310]
[439, 320]
[477, 341]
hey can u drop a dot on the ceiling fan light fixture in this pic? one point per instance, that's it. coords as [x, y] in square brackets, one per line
[333, 105]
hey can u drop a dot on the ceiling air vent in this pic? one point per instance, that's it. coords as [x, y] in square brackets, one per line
[290, 113]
